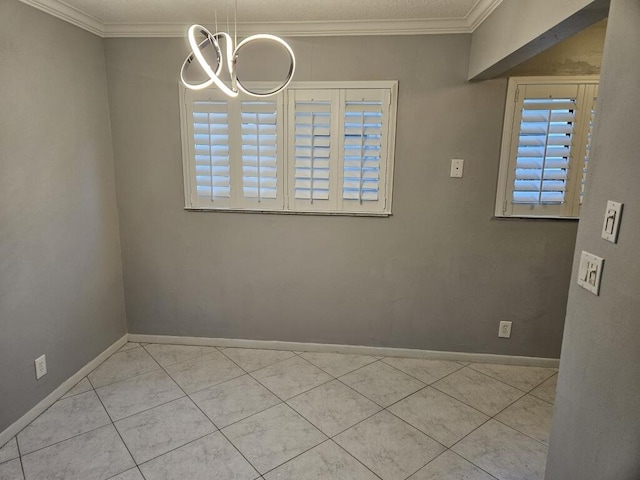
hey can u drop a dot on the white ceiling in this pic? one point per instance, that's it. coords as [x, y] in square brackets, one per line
[135, 18]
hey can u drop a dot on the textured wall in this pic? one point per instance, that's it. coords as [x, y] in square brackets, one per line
[520, 29]
[439, 274]
[61, 289]
[580, 54]
[596, 428]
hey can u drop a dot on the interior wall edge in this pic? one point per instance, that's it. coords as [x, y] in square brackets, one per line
[346, 349]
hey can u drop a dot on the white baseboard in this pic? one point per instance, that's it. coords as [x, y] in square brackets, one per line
[353, 349]
[54, 396]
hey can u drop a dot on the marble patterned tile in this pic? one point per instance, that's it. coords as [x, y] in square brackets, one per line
[483, 393]
[272, 437]
[530, 416]
[228, 402]
[382, 383]
[291, 377]
[450, 466]
[425, 370]
[251, 359]
[122, 365]
[11, 470]
[9, 451]
[64, 419]
[523, 378]
[81, 387]
[211, 457]
[338, 364]
[443, 418]
[326, 461]
[203, 372]
[128, 346]
[133, 474]
[333, 407]
[547, 390]
[157, 431]
[503, 452]
[388, 446]
[137, 394]
[94, 455]
[167, 355]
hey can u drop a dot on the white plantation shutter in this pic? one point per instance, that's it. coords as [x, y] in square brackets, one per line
[313, 150]
[543, 157]
[261, 161]
[208, 131]
[335, 158]
[364, 151]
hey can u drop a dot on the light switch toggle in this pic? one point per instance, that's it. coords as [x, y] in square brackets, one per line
[611, 224]
[457, 166]
[590, 271]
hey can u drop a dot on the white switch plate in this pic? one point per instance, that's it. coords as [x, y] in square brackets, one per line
[504, 331]
[457, 165]
[611, 223]
[41, 366]
[590, 271]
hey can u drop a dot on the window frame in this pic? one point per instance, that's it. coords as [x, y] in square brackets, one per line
[586, 86]
[286, 126]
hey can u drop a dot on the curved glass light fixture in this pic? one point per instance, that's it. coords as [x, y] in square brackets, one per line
[231, 56]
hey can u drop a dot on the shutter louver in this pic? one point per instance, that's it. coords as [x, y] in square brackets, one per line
[312, 150]
[544, 150]
[363, 126]
[259, 150]
[211, 149]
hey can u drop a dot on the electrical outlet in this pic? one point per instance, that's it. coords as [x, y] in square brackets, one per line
[504, 331]
[41, 367]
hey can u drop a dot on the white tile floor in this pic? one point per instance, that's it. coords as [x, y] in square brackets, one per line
[172, 412]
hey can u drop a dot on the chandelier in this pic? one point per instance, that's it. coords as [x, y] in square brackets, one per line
[230, 58]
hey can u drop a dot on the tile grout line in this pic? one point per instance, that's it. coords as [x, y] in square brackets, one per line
[206, 416]
[285, 402]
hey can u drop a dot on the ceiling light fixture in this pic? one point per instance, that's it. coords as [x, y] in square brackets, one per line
[231, 56]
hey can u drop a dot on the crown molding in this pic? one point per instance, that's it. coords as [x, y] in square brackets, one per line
[69, 14]
[475, 17]
[301, 29]
[479, 13]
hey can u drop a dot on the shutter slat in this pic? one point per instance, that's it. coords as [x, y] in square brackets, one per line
[259, 149]
[312, 149]
[210, 131]
[362, 145]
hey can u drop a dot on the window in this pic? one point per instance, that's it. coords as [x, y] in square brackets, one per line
[545, 146]
[323, 148]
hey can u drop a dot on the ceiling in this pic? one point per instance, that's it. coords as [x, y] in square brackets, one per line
[167, 18]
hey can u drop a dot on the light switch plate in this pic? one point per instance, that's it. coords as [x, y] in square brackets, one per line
[457, 165]
[590, 272]
[611, 223]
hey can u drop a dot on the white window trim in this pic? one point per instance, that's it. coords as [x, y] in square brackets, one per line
[504, 188]
[285, 182]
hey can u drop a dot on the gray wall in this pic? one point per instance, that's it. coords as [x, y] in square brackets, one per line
[439, 274]
[61, 290]
[596, 428]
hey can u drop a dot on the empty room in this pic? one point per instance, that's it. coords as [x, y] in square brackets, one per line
[352, 240]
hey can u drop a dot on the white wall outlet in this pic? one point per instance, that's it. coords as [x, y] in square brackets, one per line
[504, 331]
[41, 367]
[457, 165]
[590, 271]
[611, 223]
